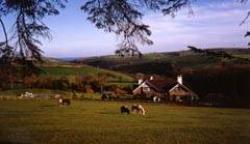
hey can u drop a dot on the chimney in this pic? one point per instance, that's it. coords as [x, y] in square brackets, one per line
[179, 79]
[140, 81]
[151, 78]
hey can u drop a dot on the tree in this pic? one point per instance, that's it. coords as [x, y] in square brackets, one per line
[28, 24]
[220, 54]
[244, 21]
[22, 46]
[123, 17]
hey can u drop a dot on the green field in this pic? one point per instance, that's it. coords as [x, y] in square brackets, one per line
[42, 121]
[244, 56]
[151, 63]
[47, 93]
[82, 70]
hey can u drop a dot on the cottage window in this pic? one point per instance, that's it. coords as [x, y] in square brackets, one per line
[146, 89]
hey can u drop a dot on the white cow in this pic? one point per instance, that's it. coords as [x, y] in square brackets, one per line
[27, 95]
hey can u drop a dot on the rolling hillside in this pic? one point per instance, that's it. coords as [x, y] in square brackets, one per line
[64, 69]
[57, 76]
[164, 63]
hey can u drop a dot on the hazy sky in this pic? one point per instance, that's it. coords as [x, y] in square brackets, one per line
[215, 23]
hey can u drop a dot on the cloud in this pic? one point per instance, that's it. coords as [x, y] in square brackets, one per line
[213, 25]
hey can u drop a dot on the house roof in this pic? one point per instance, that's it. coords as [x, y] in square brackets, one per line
[155, 87]
[162, 85]
[158, 85]
[185, 88]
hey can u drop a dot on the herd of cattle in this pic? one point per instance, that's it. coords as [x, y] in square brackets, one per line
[59, 98]
[135, 108]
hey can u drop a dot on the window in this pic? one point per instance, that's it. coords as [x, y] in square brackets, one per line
[146, 89]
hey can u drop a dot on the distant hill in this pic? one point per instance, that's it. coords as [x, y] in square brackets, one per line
[165, 63]
[57, 68]
[52, 60]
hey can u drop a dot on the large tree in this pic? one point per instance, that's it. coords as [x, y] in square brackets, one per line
[28, 25]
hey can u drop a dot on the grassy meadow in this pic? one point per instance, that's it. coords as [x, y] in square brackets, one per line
[43, 121]
[70, 70]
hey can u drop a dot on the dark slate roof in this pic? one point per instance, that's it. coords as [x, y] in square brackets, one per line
[161, 85]
[185, 88]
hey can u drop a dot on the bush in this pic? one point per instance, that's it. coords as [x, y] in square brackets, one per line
[230, 81]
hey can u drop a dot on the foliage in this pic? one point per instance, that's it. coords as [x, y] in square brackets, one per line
[121, 17]
[124, 19]
[68, 77]
[214, 77]
[222, 85]
[22, 46]
[28, 23]
[221, 54]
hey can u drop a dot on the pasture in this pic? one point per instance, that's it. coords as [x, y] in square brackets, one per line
[43, 121]
[70, 70]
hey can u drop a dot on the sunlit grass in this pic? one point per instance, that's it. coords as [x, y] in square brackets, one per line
[59, 71]
[41, 121]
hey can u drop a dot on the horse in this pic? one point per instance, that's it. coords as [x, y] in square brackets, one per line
[125, 109]
[138, 108]
[64, 101]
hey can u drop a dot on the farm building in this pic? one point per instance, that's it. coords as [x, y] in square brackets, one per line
[152, 87]
[181, 93]
[172, 91]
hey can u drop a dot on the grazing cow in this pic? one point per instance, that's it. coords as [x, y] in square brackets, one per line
[64, 101]
[134, 108]
[57, 96]
[138, 108]
[125, 109]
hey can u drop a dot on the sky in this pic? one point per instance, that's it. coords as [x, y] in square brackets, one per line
[213, 23]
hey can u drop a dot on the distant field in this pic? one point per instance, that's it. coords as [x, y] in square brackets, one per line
[155, 63]
[165, 63]
[13, 94]
[46, 93]
[244, 56]
[84, 70]
[42, 121]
